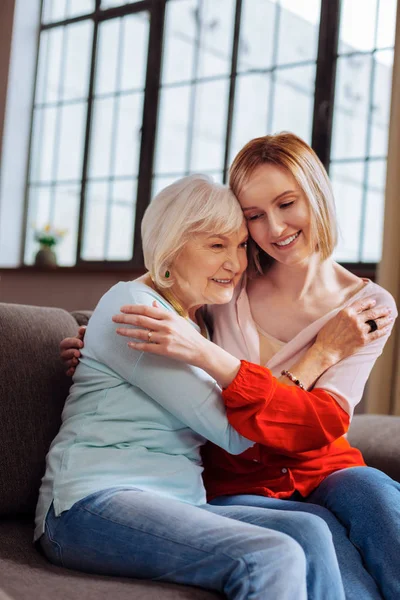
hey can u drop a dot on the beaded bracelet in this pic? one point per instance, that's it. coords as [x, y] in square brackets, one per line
[293, 378]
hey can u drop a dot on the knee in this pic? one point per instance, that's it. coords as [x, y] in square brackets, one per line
[359, 480]
[292, 557]
[313, 534]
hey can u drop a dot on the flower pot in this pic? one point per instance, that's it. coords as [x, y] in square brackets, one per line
[46, 257]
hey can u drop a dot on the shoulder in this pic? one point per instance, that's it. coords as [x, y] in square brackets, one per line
[130, 292]
[378, 293]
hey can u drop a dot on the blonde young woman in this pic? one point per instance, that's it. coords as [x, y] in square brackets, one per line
[282, 388]
[123, 493]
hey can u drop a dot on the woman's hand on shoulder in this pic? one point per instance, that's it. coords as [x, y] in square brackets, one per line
[160, 331]
[349, 330]
[70, 351]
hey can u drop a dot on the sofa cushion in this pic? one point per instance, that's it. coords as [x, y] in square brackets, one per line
[33, 388]
[26, 574]
[378, 438]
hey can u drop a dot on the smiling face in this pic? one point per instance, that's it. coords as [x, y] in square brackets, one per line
[278, 214]
[208, 268]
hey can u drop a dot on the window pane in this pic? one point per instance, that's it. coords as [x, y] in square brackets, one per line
[209, 129]
[251, 112]
[386, 23]
[77, 61]
[179, 41]
[128, 135]
[51, 89]
[294, 100]
[71, 141]
[256, 34]
[347, 180]
[382, 89]
[110, 3]
[107, 56]
[134, 52]
[171, 148]
[54, 10]
[351, 107]
[48, 144]
[95, 219]
[65, 217]
[357, 25]
[39, 198]
[216, 18]
[122, 221]
[298, 31]
[80, 7]
[373, 233]
[101, 137]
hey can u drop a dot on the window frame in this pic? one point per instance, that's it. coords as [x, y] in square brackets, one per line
[322, 121]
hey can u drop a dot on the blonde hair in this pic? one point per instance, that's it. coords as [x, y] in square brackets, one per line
[291, 153]
[194, 204]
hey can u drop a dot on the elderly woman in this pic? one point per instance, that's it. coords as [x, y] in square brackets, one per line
[272, 328]
[122, 493]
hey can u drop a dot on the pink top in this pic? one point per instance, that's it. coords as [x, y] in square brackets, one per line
[236, 332]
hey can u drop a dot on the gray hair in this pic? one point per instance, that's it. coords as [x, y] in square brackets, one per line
[193, 204]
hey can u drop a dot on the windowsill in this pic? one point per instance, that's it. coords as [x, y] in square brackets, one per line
[90, 268]
[367, 270]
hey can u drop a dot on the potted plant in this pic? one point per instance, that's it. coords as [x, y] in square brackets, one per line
[48, 237]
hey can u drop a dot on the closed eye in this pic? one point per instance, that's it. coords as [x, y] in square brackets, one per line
[254, 217]
[287, 204]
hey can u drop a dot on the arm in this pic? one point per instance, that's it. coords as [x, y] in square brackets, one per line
[187, 392]
[297, 421]
[273, 411]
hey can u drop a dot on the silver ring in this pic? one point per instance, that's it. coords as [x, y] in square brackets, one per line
[373, 325]
[149, 334]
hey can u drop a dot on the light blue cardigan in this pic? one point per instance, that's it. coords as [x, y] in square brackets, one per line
[133, 420]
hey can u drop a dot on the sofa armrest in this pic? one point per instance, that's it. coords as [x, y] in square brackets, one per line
[378, 438]
[82, 316]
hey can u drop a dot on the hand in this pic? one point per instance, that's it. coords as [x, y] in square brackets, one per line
[70, 351]
[160, 331]
[348, 331]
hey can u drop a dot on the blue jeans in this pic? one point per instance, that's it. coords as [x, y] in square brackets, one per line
[364, 519]
[367, 502]
[244, 552]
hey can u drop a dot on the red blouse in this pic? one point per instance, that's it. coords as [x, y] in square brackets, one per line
[299, 437]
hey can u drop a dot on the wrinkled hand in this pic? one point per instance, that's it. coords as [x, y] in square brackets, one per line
[160, 331]
[348, 331]
[70, 351]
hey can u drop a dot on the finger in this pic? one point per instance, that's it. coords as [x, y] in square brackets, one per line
[143, 347]
[385, 322]
[376, 313]
[70, 372]
[379, 333]
[147, 311]
[362, 305]
[71, 363]
[69, 343]
[138, 321]
[81, 332]
[70, 353]
[139, 334]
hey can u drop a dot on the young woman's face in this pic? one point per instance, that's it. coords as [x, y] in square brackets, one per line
[208, 268]
[278, 214]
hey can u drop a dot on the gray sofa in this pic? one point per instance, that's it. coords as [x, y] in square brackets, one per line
[33, 388]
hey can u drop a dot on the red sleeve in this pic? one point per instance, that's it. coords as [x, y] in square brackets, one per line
[282, 417]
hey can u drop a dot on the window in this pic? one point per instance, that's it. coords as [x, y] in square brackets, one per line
[132, 95]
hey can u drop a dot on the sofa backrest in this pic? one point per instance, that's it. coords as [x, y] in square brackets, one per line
[33, 388]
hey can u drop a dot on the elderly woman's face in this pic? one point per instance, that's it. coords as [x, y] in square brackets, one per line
[209, 267]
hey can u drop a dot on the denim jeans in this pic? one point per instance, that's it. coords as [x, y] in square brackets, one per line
[364, 519]
[367, 502]
[244, 552]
